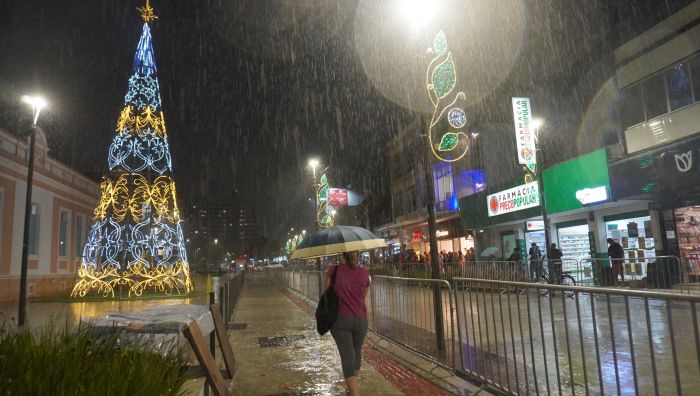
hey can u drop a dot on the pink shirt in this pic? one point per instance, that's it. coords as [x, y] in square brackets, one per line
[350, 285]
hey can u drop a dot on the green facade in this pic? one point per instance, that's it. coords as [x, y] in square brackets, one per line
[563, 180]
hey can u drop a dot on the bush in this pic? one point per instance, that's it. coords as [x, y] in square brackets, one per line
[72, 362]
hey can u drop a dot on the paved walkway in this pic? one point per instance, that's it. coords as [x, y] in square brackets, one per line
[280, 353]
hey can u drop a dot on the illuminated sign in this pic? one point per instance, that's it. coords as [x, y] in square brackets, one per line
[338, 197]
[534, 225]
[441, 233]
[524, 135]
[513, 199]
[589, 196]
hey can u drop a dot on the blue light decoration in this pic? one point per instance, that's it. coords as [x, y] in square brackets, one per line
[136, 239]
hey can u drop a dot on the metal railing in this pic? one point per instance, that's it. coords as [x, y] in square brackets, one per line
[309, 284]
[229, 293]
[555, 339]
[405, 311]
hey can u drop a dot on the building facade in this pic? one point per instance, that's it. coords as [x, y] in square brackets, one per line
[62, 206]
[408, 230]
[659, 75]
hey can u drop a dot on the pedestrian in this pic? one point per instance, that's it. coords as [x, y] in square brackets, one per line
[535, 261]
[514, 259]
[554, 256]
[617, 256]
[350, 329]
[460, 258]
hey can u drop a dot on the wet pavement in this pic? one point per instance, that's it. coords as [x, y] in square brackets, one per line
[281, 353]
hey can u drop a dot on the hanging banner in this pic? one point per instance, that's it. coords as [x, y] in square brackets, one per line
[524, 136]
[338, 197]
[513, 199]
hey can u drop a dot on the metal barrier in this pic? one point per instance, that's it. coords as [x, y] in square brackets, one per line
[309, 284]
[416, 313]
[229, 294]
[577, 340]
[660, 272]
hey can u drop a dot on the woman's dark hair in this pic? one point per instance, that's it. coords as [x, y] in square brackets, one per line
[350, 258]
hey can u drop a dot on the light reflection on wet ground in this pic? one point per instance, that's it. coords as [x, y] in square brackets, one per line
[42, 313]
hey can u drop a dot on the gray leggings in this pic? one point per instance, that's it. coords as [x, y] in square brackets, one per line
[349, 333]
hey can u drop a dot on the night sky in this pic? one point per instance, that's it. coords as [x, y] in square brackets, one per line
[252, 89]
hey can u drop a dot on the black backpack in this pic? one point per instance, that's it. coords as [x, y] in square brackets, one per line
[327, 309]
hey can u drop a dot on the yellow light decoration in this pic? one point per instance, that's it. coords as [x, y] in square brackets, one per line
[147, 12]
[159, 195]
[173, 280]
[141, 123]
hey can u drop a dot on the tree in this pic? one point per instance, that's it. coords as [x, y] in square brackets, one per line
[136, 239]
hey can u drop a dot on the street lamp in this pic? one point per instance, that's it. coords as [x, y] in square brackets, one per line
[37, 103]
[418, 12]
[536, 125]
[313, 163]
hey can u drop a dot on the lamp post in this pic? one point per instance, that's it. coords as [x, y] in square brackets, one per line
[536, 125]
[37, 103]
[418, 13]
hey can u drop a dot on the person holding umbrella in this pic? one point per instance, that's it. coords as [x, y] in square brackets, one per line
[350, 328]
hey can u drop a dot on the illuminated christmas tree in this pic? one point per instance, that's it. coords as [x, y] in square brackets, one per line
[136, 240]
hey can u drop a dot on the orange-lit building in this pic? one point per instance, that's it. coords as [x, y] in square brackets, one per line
[62, 204]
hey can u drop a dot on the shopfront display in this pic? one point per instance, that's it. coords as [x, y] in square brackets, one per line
[534, 237]
[634, 232]
[574, 244]
[688, 234]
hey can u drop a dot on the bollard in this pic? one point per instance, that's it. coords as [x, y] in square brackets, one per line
[212, 340]
[222, 302]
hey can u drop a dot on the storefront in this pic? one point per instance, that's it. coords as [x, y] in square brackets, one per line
[574, 243]
[634, 232]
[534, 233]
[670, 176]
[688, 236]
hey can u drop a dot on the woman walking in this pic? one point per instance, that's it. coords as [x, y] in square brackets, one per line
[350, 329]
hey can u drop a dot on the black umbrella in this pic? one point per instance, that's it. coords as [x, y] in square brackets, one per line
[338, 239]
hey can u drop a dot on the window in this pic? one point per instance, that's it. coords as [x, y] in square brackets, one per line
[694, 64]
[443, 180]
[79, 236]
[655, 96]
[62, 233]
[678, 84]
[34, 224]
[632, 105]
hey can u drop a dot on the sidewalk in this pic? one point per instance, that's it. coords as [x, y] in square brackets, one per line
[279, 352]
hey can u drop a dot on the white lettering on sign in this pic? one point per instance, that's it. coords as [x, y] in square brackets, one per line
[684, 161]
[441, 233]
[513, 199]
[524, 135]
[589, 196]
[535, 225]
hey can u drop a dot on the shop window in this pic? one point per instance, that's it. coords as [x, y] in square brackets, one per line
[654, 96]
[62, 233]
[632, 105]
[678, 84]
[34, 225]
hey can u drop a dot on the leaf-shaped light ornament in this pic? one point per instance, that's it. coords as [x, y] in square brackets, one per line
[532, 166]
[323, 194]
[324, 179]
[444, 77]
[440, 43]
[326, 219]
[448, 141]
